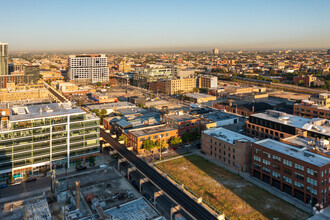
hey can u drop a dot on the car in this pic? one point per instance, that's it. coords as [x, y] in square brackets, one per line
[31, 179]
[103, 166]
[80, 168]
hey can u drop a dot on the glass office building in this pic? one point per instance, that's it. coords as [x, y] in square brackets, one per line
[33, 137]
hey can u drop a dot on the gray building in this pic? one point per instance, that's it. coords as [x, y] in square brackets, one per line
[3, 59]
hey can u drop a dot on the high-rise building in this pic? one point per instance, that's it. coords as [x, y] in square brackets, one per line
[3, 59]
[215, 51]
[88, 68]
[34, 137]
[328, 52]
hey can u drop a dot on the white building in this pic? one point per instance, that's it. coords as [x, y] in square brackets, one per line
[88, 68]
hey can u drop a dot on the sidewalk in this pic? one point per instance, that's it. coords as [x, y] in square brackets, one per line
[25, 195]
[299, 204]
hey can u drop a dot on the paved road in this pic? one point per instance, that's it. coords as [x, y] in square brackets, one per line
[179, 196]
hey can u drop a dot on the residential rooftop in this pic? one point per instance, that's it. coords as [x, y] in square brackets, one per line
[316, 125]
[299, 153]
[44, 110]
[218, 116]
[114, 105]
[178, 117]
[227, 135]
[198, 95]
[151, 130]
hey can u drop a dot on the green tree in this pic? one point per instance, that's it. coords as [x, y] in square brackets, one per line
[161, 144]
[195, 90]
[187, 137]
[123, 138]
[98, 84]
[103, 112]
[175, 141]
[92, 161]
[78, 163]
[148, 145]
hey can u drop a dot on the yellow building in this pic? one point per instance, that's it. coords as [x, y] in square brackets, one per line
[14, 92]
[175, 86]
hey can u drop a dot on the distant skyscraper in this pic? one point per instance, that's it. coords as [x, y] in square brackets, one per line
[88, 68]
[215, 51]
[329, 52]
[3, 59]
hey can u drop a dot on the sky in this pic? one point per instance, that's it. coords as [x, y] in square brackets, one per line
[188, 25]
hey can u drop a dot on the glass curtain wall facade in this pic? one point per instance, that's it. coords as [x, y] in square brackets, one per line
[31, 145]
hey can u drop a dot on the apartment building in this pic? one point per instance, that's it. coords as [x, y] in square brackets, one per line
[3, 59]
[308, 109]
[34, 137]
[322, 99]
[199, 97]
[230, 148]
[295, 170]
[88, 68]
[102, 98]
[173, 86]
[136, 137]
[207, 81]
[305, 80]
[279, 125]
[185, 123]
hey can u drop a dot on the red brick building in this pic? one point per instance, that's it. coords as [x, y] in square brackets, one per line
[294, 170]
[308, 109]
[185, 123]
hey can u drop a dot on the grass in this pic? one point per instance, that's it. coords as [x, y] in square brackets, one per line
[228, 192]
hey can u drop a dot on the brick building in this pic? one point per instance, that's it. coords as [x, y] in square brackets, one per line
[308, 109]
[230, 148]
[185, 123]
[136, 137]
[305, 80]
[292, 169]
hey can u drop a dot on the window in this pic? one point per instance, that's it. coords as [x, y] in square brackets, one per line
[287, 162]
[266, 162]
[275, 174]
[277, 158]
[311, 181]
[211, 140]
[299, 185]
[266, 154]
[299, 176]
[266, 169]
[276, 166]
[257, 166]
[256, 158]
[311, 190]
[299, 167]
[256, 150]
[287, 179]
[312, 172]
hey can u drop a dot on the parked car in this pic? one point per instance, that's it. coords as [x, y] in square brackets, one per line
[31, 179]
[80, 168]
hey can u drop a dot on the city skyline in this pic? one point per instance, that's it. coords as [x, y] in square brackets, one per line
[169, 26]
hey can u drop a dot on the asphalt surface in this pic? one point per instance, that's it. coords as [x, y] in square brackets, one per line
[175, 193]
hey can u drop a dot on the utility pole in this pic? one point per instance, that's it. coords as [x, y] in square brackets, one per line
[160, 147]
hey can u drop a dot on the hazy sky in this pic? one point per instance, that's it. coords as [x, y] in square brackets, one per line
[164, 24]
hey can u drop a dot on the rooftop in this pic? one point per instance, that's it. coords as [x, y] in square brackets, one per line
[227, 135]
[316, 125]
[151, 130]
[198, 95]
[43, 110]
[218, 116]
[181, 117]
[114, 105]
[295, 152]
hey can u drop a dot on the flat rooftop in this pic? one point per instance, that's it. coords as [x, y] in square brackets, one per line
[295, 152]
[35, 208]
[137, 209]
[114, 105]
[42, 111]
[218, 116]
[151, 130]
[198, 95]
[181, 117]
[298, 122]
[227, 135]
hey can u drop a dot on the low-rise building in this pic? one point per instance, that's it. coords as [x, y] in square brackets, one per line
[199, 97]
[322, 99]
[136, 137]
[185, 123]
[304, 80]
[207, 81]
[217, 119]
[230, 148]
[102, 98]
[308, 109]
[295, 170]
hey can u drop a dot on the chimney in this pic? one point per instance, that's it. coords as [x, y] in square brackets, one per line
[252, 108]
[77, 194]
[230, 102]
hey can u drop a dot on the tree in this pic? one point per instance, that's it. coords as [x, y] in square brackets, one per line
[92, 161]
[195, 90]
[187, 137]
[162, 144]
[103, 112]
[123, 138]
[98, 84]
[78, 163]
[175, 141]
[148, 145]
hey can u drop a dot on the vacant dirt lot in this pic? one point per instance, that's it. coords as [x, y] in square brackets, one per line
[227, 192]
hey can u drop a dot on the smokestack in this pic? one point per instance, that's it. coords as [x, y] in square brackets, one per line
[77, 194]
